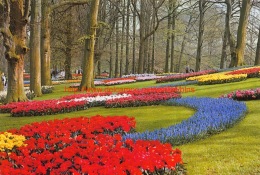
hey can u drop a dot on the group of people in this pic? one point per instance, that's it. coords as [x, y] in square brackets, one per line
[57, 74]
[188, 69]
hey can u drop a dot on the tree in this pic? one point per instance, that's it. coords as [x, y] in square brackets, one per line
[88, 60]
[122, 38]
[117, 50]
[145, 7]
[35, 41]
[134, 44]
[169, 20]
[241, 34]
[13, 29]
[47, 10]
[45, 43]
[257, 56]
[173, 21]
[127, 37]
[170, 36]
[202, 10]
[183, 43]
[69, 45]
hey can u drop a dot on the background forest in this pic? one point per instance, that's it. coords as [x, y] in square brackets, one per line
[137, 36]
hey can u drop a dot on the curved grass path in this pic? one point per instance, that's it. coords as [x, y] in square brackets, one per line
[233, 152]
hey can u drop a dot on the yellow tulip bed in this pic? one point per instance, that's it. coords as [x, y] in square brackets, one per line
[8, 141]
[218, 78]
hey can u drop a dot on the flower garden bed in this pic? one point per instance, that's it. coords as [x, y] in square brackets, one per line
[250, 72]
[218, 78]
[135, 97]
[87, 146]
[212, 116]
[250, 94]
[142, 77]
[183, 76]
[50, 107]
[144, 97]
[116, 81]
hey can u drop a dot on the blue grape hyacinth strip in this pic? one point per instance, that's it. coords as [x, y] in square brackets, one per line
[212, 116]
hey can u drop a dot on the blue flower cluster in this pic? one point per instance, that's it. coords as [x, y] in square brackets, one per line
[212, 116]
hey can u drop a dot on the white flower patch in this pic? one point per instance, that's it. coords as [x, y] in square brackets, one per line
[99, 82]
[120, 82]
[97, 98]
[139, 75]
[147, 78]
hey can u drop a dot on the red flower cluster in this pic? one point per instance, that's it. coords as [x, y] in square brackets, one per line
[79, 146]
[183, 76]
[144, 97]
[251, 72]
[250, 94]
[46, 107]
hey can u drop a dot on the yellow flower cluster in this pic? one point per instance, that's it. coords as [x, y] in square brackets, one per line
[8, 141]
[217, 78]
[72, 81]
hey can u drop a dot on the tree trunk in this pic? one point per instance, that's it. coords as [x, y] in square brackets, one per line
[88, 60]
[142, 40]
[147, 30]
[69, 45]
[224, 51]
[241, 32]
[153, 43]
[134, 47]
[122, 38]
[111, 60]
[45, 44]
[35, 48]
[230, 37]
[257, 56]
[127, 38]
[173, 36]
[167, 55]
[13, 29]
[183, 44]
[117, 51]
[202, 8]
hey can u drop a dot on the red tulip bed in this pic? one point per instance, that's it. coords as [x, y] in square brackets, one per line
[183, 76]
[251, 72]
[136, 97]
[240, 95]
[144, 97]
[48, 107]
[90, 146]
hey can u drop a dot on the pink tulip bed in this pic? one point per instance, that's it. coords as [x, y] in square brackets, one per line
[251, 72]
[117, 81]
[183, 76]
[241, 95]
[90, 146]
[135, 97]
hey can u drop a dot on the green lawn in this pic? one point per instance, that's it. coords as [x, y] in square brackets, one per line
[235, 151]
